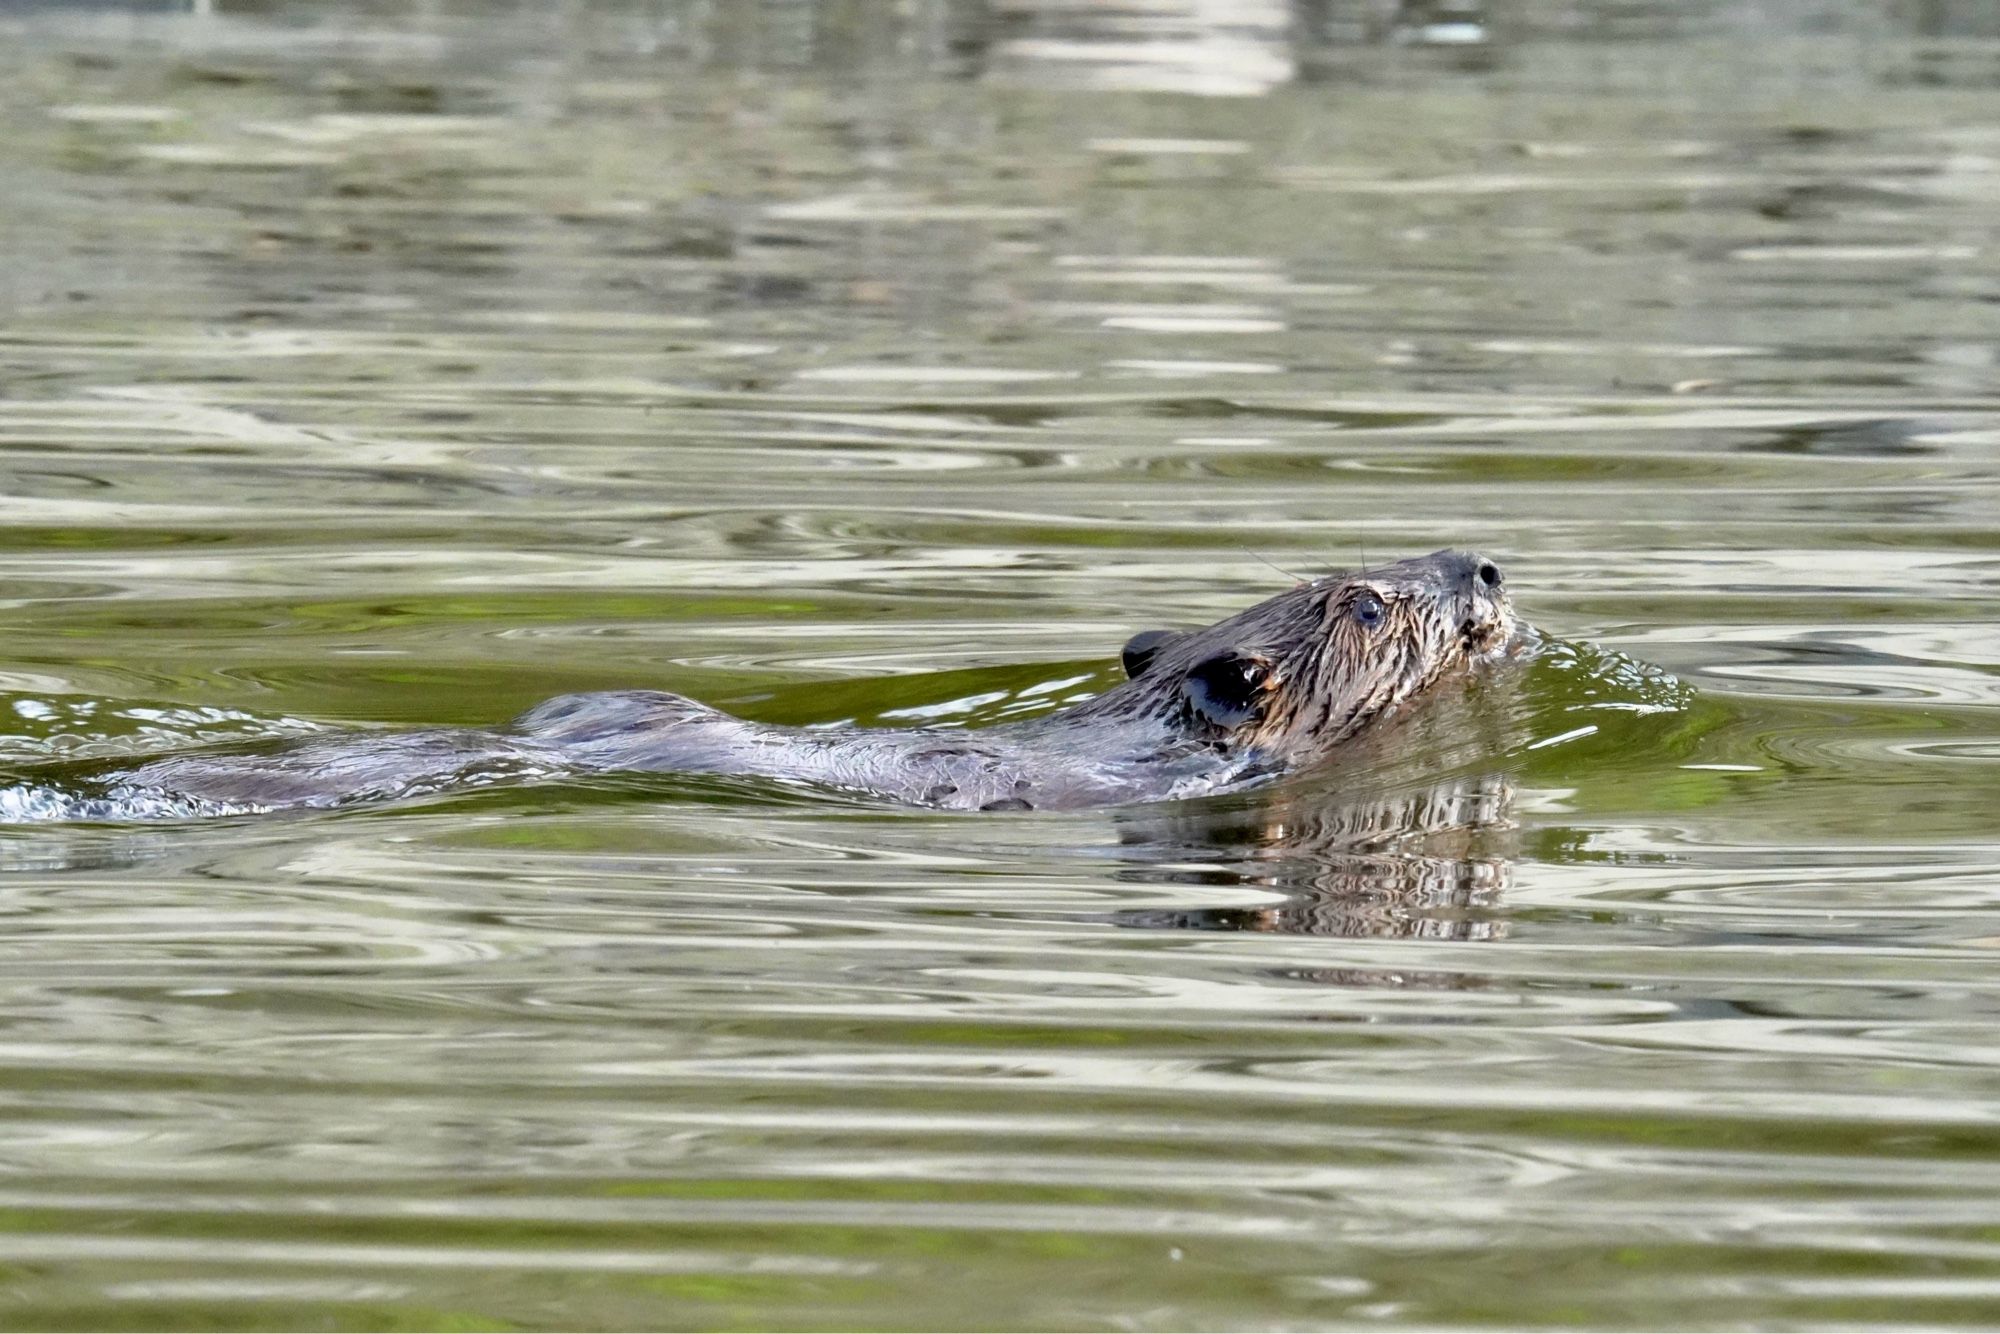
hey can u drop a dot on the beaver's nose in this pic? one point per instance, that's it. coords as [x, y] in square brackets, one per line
[1479, 573]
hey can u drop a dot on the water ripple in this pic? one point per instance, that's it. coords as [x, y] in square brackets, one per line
[373, 368]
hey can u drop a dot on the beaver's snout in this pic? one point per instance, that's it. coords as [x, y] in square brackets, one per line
[1477, 573]
[1483, 589]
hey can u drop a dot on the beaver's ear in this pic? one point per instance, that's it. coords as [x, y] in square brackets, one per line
[1141, 649]
[1227, 689]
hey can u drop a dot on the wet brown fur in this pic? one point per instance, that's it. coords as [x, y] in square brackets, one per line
[1320, 673]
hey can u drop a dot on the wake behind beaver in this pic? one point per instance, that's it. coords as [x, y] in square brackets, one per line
[1277, 687]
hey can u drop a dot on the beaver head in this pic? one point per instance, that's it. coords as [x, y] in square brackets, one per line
[1305, 669]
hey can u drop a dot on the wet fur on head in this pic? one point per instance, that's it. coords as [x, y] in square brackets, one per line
[1303, 670]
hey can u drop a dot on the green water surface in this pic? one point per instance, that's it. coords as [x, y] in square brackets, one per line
[391, 364]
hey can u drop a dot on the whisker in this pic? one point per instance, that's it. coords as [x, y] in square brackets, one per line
[1289, 574]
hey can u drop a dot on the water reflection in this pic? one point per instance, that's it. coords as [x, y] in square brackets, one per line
[1430, 864]
[1231, 48]
[1409, 833]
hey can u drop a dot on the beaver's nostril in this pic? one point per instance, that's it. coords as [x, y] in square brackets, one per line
[1489, 574]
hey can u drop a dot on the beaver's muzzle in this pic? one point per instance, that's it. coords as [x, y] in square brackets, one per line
[1481, 589]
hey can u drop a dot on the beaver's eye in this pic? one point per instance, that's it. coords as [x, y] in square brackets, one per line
[1368, 611]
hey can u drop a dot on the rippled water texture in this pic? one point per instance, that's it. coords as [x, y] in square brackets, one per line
[410, 364]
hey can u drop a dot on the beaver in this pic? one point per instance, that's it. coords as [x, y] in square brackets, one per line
[1274, 688]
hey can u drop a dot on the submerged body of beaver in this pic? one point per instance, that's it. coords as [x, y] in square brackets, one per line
[1274, 688]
